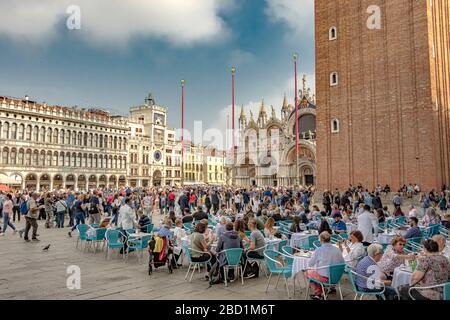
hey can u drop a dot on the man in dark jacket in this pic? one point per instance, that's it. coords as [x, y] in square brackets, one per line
[200, 214]
[215, 201]
[183, 202]
[229, 240]
[376, 202]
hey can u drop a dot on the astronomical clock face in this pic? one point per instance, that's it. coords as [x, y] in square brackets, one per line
[157, 156]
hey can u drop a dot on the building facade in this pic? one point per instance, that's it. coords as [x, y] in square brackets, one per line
[50, 147]
[267, 154]
[382, 81]
[54, 147]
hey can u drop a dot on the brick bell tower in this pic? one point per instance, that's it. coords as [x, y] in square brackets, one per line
[383, 93]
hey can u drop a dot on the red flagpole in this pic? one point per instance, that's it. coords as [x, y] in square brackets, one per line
[233, 70]
[182, 131]
[296, 105]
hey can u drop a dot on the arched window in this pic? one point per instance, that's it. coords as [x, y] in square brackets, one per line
[61, 159]
[101, 141]
[49, 159]
[28, 157]
[90, 140]
[96, 141]
[80, 139]
[55, 159]
[67, 160]
[334, 79]
[74, 138]
[334, 126]
[28, 133]
[42, 134]
[333, 33]
[14, 131]
[5, 156]
[35, 133]
[5, 130]
[62, 137]
[73, 160]
[35, 160]
[42, 158]
[79, 160]
[68, 136]
[20, 157]
[21, 134]
[49, 135]
[115, 143]
[85, 139]
[13, 156]
[55, 136]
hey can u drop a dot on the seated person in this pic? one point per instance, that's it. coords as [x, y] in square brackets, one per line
[354, 250]
[200, 214]
[200, 247]
[324, 226]
[228, 240]
[367, 268]
[432, 269]
[143, 221]
[446, 221]
[295, 226]
[257, 241]
[209, 234]
[239, 227]
[414, 230]
[324, 256]
[338, 226]
[164, 230]
[178, 234]
[220, 227]
[187, 218]
[440, 240]
[269, 230]
[394, 257]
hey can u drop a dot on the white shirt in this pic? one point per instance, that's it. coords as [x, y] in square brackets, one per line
[126, 218]
[356, 251]
[367, 221]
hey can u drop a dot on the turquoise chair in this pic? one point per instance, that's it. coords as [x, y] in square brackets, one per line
[381, 226]
[413, 244]
[257, 260]
[288, 250]
[233, 257]
[352, 275]
[129, 231]
[445, 287]
[335, 238]
[98, 237]
[310, 245]
[188, 226]
[138, 245]
[113, 241]
[94, 225]
[435, 229]
[443, 231]
[343, 236]
[281, 245]
[188, 253]
[277, 268]
[82, 236]
[150, 228]
[248, 233]
[401, 221]
[336, 272]
[317, 244]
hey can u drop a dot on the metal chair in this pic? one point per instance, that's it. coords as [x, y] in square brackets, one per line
[82, 235]
[335, 274]
[192, 264]
[113, 241]
[352, 275]
[277, 268]
[233, 257]
[445, 293]
[95, 239]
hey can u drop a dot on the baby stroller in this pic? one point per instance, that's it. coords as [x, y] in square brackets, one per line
[160, 253]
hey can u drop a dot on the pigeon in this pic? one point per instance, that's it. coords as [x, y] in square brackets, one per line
[46, 248]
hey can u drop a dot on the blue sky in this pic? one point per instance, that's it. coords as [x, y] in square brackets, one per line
[125, 49]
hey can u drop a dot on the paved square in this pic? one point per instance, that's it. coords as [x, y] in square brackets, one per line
[30, 273]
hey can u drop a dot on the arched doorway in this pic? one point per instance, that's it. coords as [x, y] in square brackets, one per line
[102, 181]
[307, 175]
[112, 181]
[31, 181]
[92, 184]
[82, 182]
[58, 181]
[122, 181]
[44, 182]
[157, 178]
[70, 181]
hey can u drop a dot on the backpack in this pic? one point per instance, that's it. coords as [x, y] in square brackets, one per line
[215, 277]
[24, 208]
[252, 268]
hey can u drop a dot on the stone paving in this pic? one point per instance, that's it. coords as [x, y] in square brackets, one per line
[29, 273]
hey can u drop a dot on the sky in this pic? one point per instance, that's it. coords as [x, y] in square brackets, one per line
[123, 50]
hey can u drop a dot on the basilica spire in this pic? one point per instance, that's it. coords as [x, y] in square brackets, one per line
[262, 117]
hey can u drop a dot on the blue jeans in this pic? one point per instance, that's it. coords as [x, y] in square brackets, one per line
[7, 222]
[60, 219]
[79, 219]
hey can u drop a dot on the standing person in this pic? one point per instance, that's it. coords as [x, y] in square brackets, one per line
[94, 208]
[16, 207]
[78, 211]
[215, 201]
[237, 201]
[171, 201]
[7, 213]
[208, 203]
[163, 203]
[115, 208]
[69, 201]
[147, 205]
[61, 209]
[48, 204]
[366, 223]
[31, 217]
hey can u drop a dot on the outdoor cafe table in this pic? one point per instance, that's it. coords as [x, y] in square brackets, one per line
[138, 235]
[299, 238]
[385, 238]
[300, 263]
[402, 275]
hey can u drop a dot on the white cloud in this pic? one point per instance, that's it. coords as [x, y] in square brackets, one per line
[298, 15]
[116, 22]
[239, 58]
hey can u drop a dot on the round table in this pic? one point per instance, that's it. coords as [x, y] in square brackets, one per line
[299, 239]
[402, 275]
[300, 263]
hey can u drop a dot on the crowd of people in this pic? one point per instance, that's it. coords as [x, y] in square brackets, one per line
[248, 216]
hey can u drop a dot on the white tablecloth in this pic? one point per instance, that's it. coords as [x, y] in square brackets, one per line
[299, 264]
[351, 227]
[385, 238]
[401, 277]
[299, 238]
